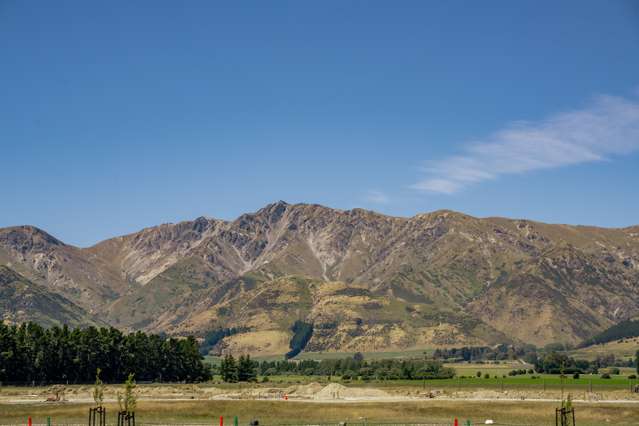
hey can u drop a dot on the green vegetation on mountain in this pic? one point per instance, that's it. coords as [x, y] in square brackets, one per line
[214, 337]
[302, 333]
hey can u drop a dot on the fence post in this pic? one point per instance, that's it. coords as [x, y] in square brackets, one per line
[48, 420]
[30, 421]
[221, 421]
[235, 421]
[456, 422]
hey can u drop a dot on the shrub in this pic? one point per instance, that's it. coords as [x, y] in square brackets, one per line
[478, 374]
[632, 376]
[486, 376]
[348, 375]
[575, 376]
[605, 376]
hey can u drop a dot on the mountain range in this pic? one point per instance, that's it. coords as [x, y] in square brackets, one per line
[365, 281]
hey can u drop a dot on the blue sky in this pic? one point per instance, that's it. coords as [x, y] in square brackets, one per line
[119, 115]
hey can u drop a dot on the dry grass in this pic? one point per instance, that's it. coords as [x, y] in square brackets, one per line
[624, 349]
[266, 343]
[274, 412]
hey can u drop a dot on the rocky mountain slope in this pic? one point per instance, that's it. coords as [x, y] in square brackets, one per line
[21, 300]
[366, 281]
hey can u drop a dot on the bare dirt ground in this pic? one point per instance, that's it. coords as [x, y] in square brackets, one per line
[311, 392]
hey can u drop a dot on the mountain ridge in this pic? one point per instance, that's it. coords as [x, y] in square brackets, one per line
[392, 281]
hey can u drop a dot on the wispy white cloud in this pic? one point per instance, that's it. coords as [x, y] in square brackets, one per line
[377, 197]
[609, 126]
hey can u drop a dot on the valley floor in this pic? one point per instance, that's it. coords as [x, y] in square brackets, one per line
[313, 403]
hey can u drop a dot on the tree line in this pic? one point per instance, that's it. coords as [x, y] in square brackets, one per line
[484, 353]
[31, 353]
[560, 363]
[244, 370]
[347, 368]
[548, 359]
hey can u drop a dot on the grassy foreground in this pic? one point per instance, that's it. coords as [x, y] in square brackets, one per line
[278, 412]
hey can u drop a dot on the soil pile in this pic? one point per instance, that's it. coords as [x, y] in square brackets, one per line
[304, 391]
[337, 391]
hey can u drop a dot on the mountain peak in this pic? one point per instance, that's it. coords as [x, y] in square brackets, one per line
[278, 205]
[273, 211]
[27, 236]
